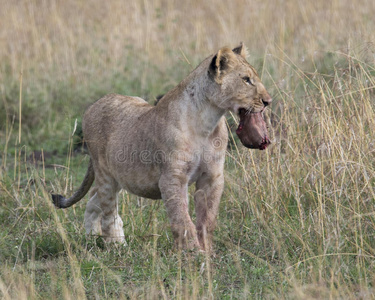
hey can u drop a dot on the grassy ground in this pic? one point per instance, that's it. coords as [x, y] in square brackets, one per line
[296, 221]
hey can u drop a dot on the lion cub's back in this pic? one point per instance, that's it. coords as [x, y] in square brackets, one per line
[104, 118]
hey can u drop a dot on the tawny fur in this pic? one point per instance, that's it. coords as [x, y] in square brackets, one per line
[158, 151]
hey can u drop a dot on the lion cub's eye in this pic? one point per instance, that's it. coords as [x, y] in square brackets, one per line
[248, 80]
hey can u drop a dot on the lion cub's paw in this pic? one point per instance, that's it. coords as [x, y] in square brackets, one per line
[115, 239]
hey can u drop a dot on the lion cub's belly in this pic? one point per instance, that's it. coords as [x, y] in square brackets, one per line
[151, 192]
[143, 182]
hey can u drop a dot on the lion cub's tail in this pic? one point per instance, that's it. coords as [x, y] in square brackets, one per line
[61, 202]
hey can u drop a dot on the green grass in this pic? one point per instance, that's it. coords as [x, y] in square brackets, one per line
[51, 248]
[295, 222]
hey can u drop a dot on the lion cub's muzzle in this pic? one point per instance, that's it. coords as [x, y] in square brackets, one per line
[252, 129]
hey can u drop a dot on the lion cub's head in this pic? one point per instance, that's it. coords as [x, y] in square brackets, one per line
[239, 89]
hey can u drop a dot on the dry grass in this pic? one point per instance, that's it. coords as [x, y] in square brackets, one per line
[66, 40]
[296, 221]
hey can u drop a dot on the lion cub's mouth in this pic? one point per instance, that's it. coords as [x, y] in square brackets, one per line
[252, 129]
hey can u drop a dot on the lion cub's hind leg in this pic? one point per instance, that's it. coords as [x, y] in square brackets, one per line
[93, 215]
[101, 215]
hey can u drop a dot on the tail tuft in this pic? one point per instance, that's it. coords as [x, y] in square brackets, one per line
[62, 202]
[58, 200]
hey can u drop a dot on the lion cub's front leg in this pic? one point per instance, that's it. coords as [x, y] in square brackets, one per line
[209, 188]
[174, 190]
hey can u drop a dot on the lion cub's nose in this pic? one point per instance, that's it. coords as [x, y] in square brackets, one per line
[267, 100]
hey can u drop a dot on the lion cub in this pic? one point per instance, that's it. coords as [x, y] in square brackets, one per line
[158, 151]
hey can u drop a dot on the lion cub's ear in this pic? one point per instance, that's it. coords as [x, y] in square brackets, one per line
[221, 63]
[241, 50]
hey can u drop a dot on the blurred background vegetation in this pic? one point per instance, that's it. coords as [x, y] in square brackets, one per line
[296, 221]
